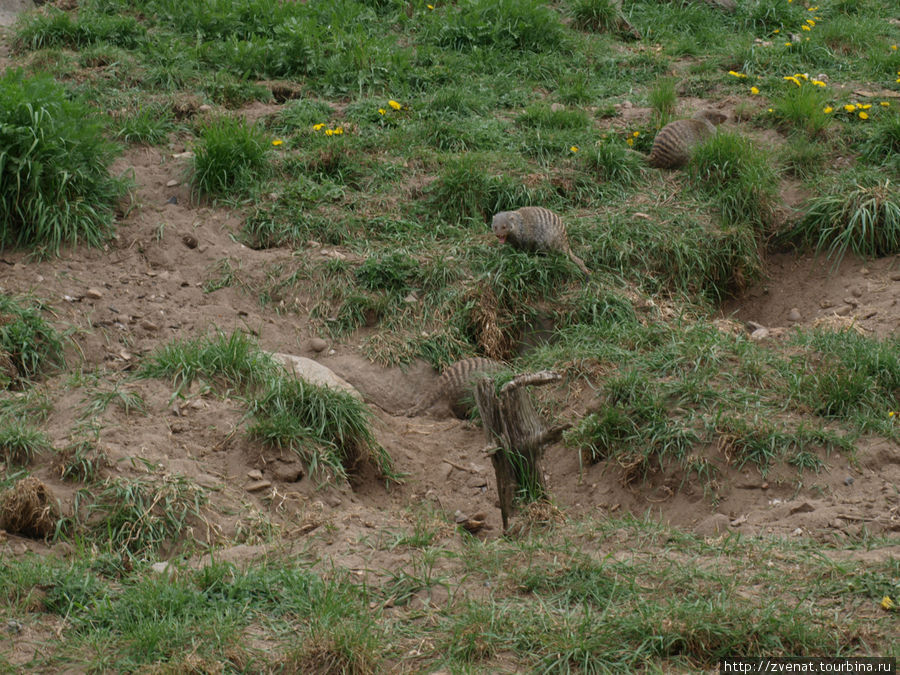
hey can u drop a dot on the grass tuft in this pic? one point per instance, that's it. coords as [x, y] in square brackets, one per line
[230, 157]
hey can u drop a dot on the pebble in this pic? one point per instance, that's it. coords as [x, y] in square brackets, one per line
[172, 200]
[797, 532]
[856, 292]
[254, 474]
[206, 107]
[317, 344]
[556, 107]
[149, 326]
[410, 299]
[287, 473]
[895, 276]
[848, 481]
[794, 315]
[93, 294]
[13, 626]
[258, 485]
[753, 325]
[759, 334]
[825, 304]
[172, 183]
[843, 311]
[850, 300]
[864, 271]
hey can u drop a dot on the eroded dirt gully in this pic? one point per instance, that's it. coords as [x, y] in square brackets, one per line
[146, 288]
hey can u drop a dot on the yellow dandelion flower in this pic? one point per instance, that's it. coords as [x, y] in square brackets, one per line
[277, 142]
[897, 80]
[736, 74]
[865, 107]
[885, 104]
[849, 107]
[394, 104]
[381, 111]
[811, 22]
[805, 27]
[430, 6]
[788, 44]
[863, 115]
[630, 141]
[791, 78]
[771, 110]
[636, 134]
[329, 132]
[754, 91]
[818, 83]
[887, 603]
[827, 109]
[573, 148]
[318, 126]
[894, 47]
[338, 131]
[777, 30]
[805, 76]
[891, 413]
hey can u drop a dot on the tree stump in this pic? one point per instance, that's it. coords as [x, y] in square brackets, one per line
[516, 437]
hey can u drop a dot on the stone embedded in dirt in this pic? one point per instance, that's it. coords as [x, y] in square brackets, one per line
[850, 300]
[258, 485]
[712, 525]
[864, 271]
[172, 183]
[797, 532]
[317, 344]
[254, 474]
[315, 373]
[895, 276]
[737, 522]
[759, 334]
[172, 200]
[805, 507]
[856, 292]
[187, 154]
[848, 481]
[13, 626]
[753, 325]
[287, 473]
[190, 241]
[93, 293]
[794, 315]
[825, 304]
[844, 311]
[149, 326]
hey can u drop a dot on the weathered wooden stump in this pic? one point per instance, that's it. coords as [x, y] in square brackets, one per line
[516, 437]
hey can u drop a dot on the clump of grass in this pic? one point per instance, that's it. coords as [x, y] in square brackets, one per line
[764, 16]
[662, 99]
[28, 344]
[804, 158]
[613, 161]
[138, 514]
[55, 185]
[127, 401]
[595, 15]
[508, 25]
[82, 461]
[882, 143]
[230, 156]
[150, 125]
[737, 177]
[58, 29]
[20, 443]
[392, 272]
[802, 107]
[864, 219]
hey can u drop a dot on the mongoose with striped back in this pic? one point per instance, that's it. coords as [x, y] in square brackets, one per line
[455, 385]
[674, 142]
[534, 228]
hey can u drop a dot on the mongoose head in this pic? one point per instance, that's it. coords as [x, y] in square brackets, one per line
[505, 223]
[714, 116]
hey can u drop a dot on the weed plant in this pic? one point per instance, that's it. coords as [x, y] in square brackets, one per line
[882, 143]
[55, 186]
[662, 99]
[863, 218]
[149, 125]
[229, 157]
[20, 443]
[29, 344]
[600, 16]
[803, 108]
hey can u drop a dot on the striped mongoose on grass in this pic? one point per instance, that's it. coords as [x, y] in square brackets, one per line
[455, 385]
[533, 228]
[674, 142]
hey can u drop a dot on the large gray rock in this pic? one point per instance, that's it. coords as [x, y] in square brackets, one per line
[10, 9]
[315, 373]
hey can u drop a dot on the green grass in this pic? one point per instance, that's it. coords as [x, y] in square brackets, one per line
[55, 186]
[859, 217]
[21, 443]
[230, 157]
[28, 343]
[146, 126]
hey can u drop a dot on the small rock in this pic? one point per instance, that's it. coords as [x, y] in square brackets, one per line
[864, 271]
[172, 183]
[69, 298]
[287, 473]
[172, 200]
[805, 507]
[190, 241]
[797, 532]
[856, 292]
[737, 522]
[411, 299]
[753, 325]
[895, 276]
[848, 481]
[149, 326]
[850, 300]
[333, 501]
[187, 154]
[794, 315]
[317, 344]
[556, 107]
[825, 304]
[254, 474]
[93, 293]
[844, 311]
[759, 334]
[258, 485]
[13, 626]
[206, 107]
[162, 568]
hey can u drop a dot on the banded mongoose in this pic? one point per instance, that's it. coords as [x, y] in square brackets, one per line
[533, 228]
[674, 142]
[455, 385]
